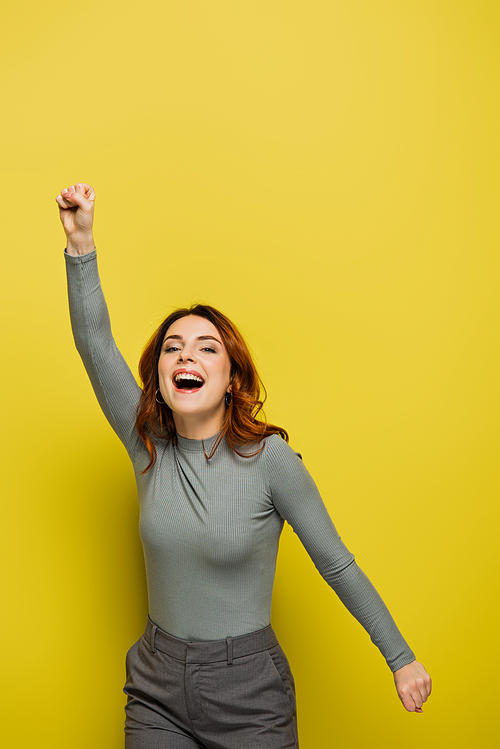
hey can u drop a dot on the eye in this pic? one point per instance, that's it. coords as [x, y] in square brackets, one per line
[169, 349]
[210, 349]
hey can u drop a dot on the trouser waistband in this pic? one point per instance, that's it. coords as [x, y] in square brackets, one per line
[209, 651]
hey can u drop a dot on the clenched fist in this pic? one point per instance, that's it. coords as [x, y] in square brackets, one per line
[414, 685]
[76, 210]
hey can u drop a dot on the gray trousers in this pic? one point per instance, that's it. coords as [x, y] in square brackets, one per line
[236, 693]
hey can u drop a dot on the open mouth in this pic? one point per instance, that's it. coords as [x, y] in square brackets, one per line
[187, 383]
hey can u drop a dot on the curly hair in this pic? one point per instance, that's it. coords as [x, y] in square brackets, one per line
[240, 424]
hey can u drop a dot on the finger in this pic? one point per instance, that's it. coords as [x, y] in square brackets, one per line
[66, 193]
[87, 191]
[416, 695]
[413, 705]
[64, 200]
[73, 198]
[411, 699]
[428, 684]
[61, 203]
[423, 686]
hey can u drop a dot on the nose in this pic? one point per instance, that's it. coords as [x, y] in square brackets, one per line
[186, 355]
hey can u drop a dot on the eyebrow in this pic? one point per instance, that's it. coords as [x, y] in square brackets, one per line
[200, 338]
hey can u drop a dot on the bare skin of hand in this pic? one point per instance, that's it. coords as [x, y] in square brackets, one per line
[413, 685]
[76, 211]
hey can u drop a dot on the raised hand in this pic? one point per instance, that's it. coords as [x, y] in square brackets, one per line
[414, 685]
[76, 211]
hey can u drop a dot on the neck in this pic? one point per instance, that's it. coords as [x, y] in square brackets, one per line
[192, 428]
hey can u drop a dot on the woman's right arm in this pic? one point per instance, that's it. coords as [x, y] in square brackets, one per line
[111, 378]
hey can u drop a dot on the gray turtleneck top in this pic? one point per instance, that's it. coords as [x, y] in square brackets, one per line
[210, 528]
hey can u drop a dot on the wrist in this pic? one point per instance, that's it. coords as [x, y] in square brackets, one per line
[80, 244]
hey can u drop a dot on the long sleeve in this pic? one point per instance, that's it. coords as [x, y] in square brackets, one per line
[298, 501]
[113, 383]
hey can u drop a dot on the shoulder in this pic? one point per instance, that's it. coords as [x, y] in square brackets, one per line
[278, 453]
[277, 445]
[286, 473]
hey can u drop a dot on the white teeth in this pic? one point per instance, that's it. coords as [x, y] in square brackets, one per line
[187, 376]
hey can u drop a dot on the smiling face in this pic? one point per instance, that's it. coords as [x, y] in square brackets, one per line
[194, 372]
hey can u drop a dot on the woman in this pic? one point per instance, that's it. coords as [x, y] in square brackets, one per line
[215, 486]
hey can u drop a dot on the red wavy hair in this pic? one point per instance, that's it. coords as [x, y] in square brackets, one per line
[240, 424]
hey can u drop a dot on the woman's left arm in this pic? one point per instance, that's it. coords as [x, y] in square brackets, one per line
[298, 501]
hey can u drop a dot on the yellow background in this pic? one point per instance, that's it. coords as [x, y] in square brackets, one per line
[327, 174]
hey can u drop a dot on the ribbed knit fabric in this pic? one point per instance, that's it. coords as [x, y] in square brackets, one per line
[210, 528]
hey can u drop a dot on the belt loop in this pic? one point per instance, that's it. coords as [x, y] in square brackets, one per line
[229, 644]
[153, 635]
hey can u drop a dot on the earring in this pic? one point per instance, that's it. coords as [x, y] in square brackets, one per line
[162, 403]
[228, 399]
